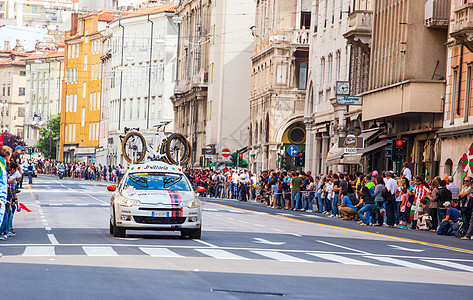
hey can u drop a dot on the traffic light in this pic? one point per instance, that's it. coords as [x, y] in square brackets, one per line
[399, 150]
[201, 161]
[284, 162]
[302, 158]
[389, 149]
[240, 159]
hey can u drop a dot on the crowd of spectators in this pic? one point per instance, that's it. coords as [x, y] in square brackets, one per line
[374, 199]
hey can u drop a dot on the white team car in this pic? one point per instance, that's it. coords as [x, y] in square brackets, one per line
[155, 196]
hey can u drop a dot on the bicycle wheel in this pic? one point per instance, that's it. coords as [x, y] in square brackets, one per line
[177, 149]
[134, 147]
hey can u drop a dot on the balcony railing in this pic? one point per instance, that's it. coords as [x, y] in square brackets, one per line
[360, 23]
[301, 36]
[437, 13]
[462, 29]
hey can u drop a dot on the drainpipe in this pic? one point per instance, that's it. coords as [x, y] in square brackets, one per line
[459, 80]
[121, 76]
[149, 71]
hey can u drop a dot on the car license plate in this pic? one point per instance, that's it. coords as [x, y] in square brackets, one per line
[159, 213]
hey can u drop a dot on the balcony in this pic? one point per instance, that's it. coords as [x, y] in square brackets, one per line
[359, 26]
[462, 29]
[301, 37]
[437, 13]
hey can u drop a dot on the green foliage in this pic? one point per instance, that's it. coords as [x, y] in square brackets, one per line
[48, 137]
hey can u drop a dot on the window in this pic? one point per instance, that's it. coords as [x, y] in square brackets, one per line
[75, 103]
[302, 74]
[84, 89]
[22, 73]
[100, 71]
[90, 101]
[85, 62]
[74, 132]
[98, 100]
[21, 91]
[92, 74]
[8, 89]
[305, 19]
[83, 117]
[90, 131]
[466, 113]
[97, 130]
[211, 73]
[453, 97]
[21, 112]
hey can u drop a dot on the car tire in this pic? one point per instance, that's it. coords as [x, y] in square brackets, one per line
[119, 232]
[195, 234]
[111, 227]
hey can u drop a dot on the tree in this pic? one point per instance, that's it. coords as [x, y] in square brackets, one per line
[12, 140]
[48, 137]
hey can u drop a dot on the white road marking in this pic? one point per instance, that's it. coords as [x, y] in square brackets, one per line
[279, 256]
[39, 251]
[263, 241]
[259, 225]
[159, 252]
[342, 247]
[220, 254]
[45, 224]
[450, 264]
[209, 209]
[82, 204]
[244, 222]
[296, 234]
[99, 251]
[401, 263]
[396, 247]
[342, 259]
[48, 228]
[230, 218]
[206, 244]
[275, 229]
[52, 239]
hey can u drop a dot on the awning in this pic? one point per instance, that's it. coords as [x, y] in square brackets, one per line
[340, 158]
[68, 148]
[85, 151]
[370, 134]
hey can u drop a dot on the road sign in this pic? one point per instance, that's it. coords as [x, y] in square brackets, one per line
[292, 150]
[226, 152]
[349, 100]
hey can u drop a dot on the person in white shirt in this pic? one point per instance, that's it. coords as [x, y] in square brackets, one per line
[243, 181]
[391, 205]
[234, 185]
[406, 172]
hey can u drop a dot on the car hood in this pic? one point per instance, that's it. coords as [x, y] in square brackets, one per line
[156, 197]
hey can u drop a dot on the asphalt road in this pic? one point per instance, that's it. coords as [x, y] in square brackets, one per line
[62, 249]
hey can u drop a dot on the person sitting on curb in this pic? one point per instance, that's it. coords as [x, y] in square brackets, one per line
[346, 208]
[453, 216]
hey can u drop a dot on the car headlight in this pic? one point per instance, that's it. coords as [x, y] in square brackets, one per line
[195, 203]
[128, 202]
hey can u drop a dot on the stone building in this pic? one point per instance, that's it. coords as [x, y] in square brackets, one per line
[190, 92]
[278, 83]
[457, 132]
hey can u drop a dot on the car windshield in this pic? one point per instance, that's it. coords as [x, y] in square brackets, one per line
[156, 181]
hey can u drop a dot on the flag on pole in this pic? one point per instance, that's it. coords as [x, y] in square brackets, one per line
[466, 162]
[24, 207]
[2, 138]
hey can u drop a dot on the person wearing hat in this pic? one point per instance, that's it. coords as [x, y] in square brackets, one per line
[16, 157]
[453, 216]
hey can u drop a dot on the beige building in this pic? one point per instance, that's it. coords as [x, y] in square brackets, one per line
[407, 80]
[278, 83]
[190, 92]
[329, 55]
[12, 93]
[458, 118]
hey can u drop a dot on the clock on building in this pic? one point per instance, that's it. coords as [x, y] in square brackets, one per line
[343, 88]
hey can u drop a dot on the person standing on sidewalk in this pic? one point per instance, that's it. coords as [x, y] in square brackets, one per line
[296, 183]
[4, 156]
[391, 206]
[454, 189]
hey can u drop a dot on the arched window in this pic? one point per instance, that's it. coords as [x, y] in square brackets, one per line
[267, 128]
[448, 167]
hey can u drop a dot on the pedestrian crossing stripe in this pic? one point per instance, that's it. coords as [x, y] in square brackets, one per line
[303, 257]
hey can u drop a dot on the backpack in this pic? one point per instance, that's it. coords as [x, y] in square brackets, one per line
[387, 196]
[443, 228]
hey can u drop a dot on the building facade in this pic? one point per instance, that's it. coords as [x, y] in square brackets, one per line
[458, 117]
[12, 93]
[278, 83]
[44, 76]
[190, 92]
[328, 63]
[230, 51]
[80, 104]
[139, 58]
[406, 86]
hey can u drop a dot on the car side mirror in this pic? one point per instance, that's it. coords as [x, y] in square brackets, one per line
[200, 189]
[112, 188]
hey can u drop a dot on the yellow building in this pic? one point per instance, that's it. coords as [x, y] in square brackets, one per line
[80, 109]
